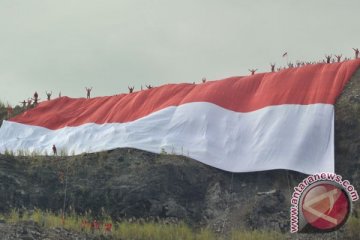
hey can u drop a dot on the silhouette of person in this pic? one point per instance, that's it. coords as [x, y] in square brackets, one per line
[88, 90]
[54, 150]
[338, 57]
[252, 71]
[131, 89]
[60, 94]
[48, 95]
[36, 98]
[328, 58]
[203, 80]
[356, 53]
[149, 86]
[272, 67]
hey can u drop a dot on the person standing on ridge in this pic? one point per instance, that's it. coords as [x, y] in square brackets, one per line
[356, 53]
[328, 58]
[338, 57]
[54, 150]
[272, 67]
[36, 97]
[88, 91]
[48, 94]
[252, 71]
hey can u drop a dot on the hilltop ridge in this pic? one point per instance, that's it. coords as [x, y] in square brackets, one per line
[129, 183]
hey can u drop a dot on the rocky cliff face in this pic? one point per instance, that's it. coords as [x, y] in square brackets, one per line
[28, 230]
[130, 183]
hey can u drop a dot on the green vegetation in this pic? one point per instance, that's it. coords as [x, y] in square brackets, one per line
[256, 235]
[26, 153]
[352, 228]
[3, 111]
[137, 230]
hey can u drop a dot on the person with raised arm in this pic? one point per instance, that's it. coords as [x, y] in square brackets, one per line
[131, 89]
[88, 91]
[338, 57]
[252, 71]
[48, 94]
[356, 50]
[328, 58]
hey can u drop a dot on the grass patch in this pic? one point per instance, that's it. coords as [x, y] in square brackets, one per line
[256, 235]
[138, 230]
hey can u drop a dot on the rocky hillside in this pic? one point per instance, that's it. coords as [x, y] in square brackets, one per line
[128, 183]
[30, 230]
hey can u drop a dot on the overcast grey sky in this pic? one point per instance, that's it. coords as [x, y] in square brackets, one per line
[65, 45]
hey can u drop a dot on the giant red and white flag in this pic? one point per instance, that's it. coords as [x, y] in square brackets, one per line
[281, 120]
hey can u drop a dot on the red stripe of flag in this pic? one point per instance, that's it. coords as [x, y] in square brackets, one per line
[320, 83]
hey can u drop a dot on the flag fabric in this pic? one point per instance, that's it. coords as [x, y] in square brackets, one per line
[281, 120]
